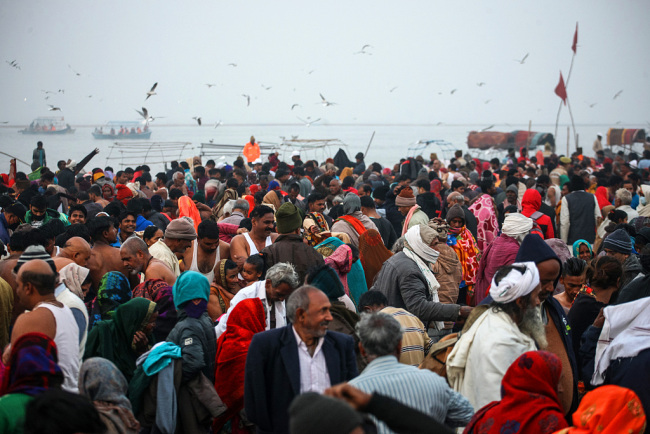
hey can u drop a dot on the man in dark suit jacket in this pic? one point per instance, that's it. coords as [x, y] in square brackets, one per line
[276, 357]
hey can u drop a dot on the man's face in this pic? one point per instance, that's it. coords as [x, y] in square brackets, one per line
[378, 202]
[37, 214]
[179, 180]
[128, 225]
[263, 226]
[436, 165]
[77, 217]
[317, 206]
[548, 272]
[460, 189]
[629, 187]
[111, 234]
[179, 246]
[335, 187]
[315, 320]
[572, 285]
[279, 293]
[511, 196]
[12, 219]
[293, 194]
[123, 178]
[133, 262]
[208, 245]
[456, 223]
[404, 209]
[622, 257]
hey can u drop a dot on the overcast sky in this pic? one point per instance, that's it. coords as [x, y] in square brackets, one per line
[421, 50]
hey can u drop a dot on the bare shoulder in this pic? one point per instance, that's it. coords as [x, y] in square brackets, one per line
[224, 249]
[38, 320]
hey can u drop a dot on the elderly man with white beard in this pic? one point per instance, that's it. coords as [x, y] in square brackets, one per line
[511, 326]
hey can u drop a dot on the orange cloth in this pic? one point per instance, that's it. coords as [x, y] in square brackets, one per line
[252, 151]
[187, 208]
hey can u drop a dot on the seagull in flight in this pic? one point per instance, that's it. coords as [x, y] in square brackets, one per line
[217, 124]
[234, 65]
[144, 113]
[267, 87]
[13, 64]
[487, 101]
[325, 102]
[618, 94]
[521, 62]
[453, 91]
[197, 119]
[391, 91]
[488, 128]
[363, 50]
[308, 122]
[248, 99]
[53, 109]
[481, 84]
[151, 92]
[210, 85]
[295, 105]
[75, 72]
[592, 105]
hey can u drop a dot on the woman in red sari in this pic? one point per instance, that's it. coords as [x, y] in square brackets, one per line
[529, 401]
[245, 320]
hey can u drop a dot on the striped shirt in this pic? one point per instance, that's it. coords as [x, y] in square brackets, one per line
[422, 390]
[415, 340]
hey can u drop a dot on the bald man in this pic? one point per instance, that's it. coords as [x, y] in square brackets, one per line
[76, 250]
[104, 257]
[36, 280]
[137, 259]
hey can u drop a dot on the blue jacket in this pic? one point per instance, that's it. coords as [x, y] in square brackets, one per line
[272, 376]
[4, 229]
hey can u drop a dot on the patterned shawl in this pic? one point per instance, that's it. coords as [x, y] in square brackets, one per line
[32, 367]
[114, 290]
[356, 277]
[462, 241]
[158, 291]
[488, 224]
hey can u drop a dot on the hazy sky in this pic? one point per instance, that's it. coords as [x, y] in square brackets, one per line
[421, 49]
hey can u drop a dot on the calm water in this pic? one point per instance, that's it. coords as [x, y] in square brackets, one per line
[390, 143]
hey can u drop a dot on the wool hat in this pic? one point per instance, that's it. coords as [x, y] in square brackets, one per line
[565, 160]
[34, 252]
[180, 229]
[328, 281]
[618, 241]
[124, 193]
[288, 218]
[405, 197]
[455, 212]
[513, 187]
[97, 175]
[314, 413]
[190, 285]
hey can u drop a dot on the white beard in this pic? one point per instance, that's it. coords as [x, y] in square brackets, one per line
[533, 326]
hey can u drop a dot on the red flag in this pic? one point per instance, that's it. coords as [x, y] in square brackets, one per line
[574, 47]
[560, 89]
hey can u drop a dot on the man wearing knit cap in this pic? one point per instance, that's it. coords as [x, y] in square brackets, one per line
[619, 245]
[407, 281]
[405, 202]
[511, 326]
[178, 237]
[289, 246]
[353, 222]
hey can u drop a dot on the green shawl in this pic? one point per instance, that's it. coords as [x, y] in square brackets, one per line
[112, 339]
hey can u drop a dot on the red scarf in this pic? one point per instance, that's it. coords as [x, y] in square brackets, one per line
[355, 223]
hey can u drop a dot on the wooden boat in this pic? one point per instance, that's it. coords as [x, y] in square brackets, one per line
[123, 130]
[48, 125]
[516, 139]
[625, 136]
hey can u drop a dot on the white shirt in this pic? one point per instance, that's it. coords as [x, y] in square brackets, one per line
[314, 376]
[162, 252]
[256, 290]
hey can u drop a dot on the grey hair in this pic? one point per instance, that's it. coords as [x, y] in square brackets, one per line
[398, 245]
[624, 196]
[134, 245]
[299, 299]
[457, 197]
[283, 272]
[177, 175]
[228, 207]
[241, 204]
[380, 333]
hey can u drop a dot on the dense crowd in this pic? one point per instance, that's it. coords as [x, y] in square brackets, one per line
[501, 296]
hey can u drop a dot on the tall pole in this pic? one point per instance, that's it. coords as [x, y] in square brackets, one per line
[568, 139]
[566, 85]
[568, 104]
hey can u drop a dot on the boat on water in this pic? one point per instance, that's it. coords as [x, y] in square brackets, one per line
[48, 125]
[123, 130]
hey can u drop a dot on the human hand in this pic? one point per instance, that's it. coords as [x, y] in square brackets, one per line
[140, 341]
[465, 311]
[353, 396]
[241, 231]
[96, 150]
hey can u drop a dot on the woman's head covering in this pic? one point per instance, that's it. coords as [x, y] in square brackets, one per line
[351, 204]
[100, 380]
[124, 193]
[32, 367]
[455, 211]
[560, 248]
[440, 226]
[159, 291]
[73, 276]
[609, 410]
[529, 399]
[517, 226]
[327, 280]
[271, 198]
[187, 208]
[519, 282]
[190, 285]
[602, 195]
[576, 248]
[114, 290]
[372, 254]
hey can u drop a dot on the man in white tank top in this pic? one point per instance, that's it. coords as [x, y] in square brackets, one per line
[35, 281]
[260, 236]
[206, 251]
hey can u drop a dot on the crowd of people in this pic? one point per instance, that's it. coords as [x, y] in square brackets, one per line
[269, 296]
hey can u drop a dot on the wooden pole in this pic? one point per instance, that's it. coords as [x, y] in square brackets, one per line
[568, 104]
[530, 124]
[365, 154]
[568, 139]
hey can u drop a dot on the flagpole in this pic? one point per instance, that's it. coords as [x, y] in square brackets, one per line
[568, 104]
[573, 47]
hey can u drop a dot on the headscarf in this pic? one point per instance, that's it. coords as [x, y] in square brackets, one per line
[112, 193]
[328, 281]
[436, 186]
[271, 198]
[345, 172]
[560, 248]
[159, 291]
[190, 285]
[608, 410]
[529, 400]
[356, 278]
[517, 226]
[114, 290]
[602, 195]
[123, 193]
[187, 208]
[217, 209]
[372, 254]
[73, 276]
[113, 339]
[219, 287]
[351, 204]
[102, 383]
[576, 248]
[487, 229]
[246, 319]
[516, 283]
[32, 367]
[341, 261]
[463, 243]
[315, 219]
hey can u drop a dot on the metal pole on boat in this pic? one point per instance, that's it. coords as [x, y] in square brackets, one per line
[365, 154]
[530, 125]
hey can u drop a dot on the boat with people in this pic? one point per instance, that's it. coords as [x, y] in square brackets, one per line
[48, 125]
[123, 130]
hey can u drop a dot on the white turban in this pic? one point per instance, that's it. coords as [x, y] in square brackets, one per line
[414, 239]
[517, 226]
[515, 284]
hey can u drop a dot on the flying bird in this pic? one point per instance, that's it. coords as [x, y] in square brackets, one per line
[234, 65]
[488, 128]
[295, 105]
[453, 91]
[487, 101]
[144, 113]
[618, 94]
[266, 87]
[217, 124]
[363, 50]
[197, 119]
[521, 62]
[248, 99]
[151, 92]
[391, 91]
[13, 64]
[309, 73]
[53, 109]
[325, 102]
[592, 105]
[75, 72]
[61, 90]
[481, 84]
[210, 85]
[308, 122]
